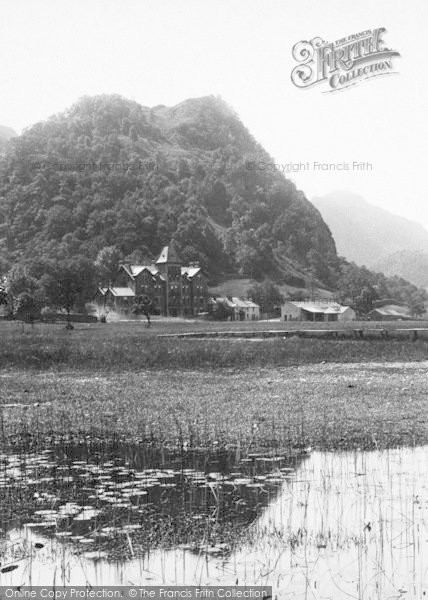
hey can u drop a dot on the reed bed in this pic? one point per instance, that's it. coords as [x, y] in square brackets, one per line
[325, 406]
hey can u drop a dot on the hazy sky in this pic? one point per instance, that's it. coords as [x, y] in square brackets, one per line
[164, 51]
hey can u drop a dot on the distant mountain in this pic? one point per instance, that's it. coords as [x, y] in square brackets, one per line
[410, 265]
[6, 133]
[109, 171]
[367, 234]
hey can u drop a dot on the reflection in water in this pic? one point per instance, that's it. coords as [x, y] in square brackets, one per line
[341, 525]
[124, 502]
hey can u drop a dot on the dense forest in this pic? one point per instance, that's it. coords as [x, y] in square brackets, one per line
[111, 180]
[111, 172]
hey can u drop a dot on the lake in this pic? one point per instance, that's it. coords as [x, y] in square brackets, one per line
[322, 525]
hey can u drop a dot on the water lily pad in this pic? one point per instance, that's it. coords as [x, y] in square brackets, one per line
[8, 569]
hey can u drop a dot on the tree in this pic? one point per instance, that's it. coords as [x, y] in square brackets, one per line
[364, 303]
[297, 296]
[189, 254]
[249, 260]
[266, 295]
[3, 293]
[19, 281]
[59, 221]
[107, 263]
[143, 306]
[222, 312]
[361, 287]
[27, 308]
[138, 257]
[3, 297]
[417, 303]
[64, 286]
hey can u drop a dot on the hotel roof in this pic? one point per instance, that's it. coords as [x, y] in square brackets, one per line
[168, 255]
[329, 308]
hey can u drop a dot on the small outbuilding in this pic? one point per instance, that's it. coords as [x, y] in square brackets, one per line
[391, 312]
[316, 311]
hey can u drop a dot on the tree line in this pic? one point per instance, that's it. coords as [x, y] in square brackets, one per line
[357, 287]
[31, 287]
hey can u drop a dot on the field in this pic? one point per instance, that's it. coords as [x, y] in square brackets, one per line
[130, 346]
[121, 379]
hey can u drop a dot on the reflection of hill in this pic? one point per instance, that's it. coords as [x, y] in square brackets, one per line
[103, 498]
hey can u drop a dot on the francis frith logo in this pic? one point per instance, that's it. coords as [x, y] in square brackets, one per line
[342, 63]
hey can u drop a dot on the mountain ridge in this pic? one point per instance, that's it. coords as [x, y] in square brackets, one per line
[181, 169]
[408, 264]
[365, 233]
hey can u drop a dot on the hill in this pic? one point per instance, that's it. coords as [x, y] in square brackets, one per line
[109, 171]
[410, 265]
[239, 287]
[6, 133]
[367, 234]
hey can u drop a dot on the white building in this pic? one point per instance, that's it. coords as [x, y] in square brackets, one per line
[323, 310]
[246, 310]
[391, 312]
[239, 309]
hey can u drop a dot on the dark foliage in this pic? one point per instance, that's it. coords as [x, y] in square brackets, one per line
[267, 296]
[362, 288]
[111, 172]
[143, 306]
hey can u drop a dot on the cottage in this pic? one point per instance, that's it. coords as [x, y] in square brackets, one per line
[246, 310]
[237, 308]
[323, 310]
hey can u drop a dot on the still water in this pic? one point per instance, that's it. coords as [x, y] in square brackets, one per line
[326, 525]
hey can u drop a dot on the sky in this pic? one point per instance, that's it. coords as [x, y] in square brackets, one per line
[164, 51]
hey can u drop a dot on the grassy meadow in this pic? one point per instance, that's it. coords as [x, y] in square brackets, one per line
[130, 346]
[121, 383]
